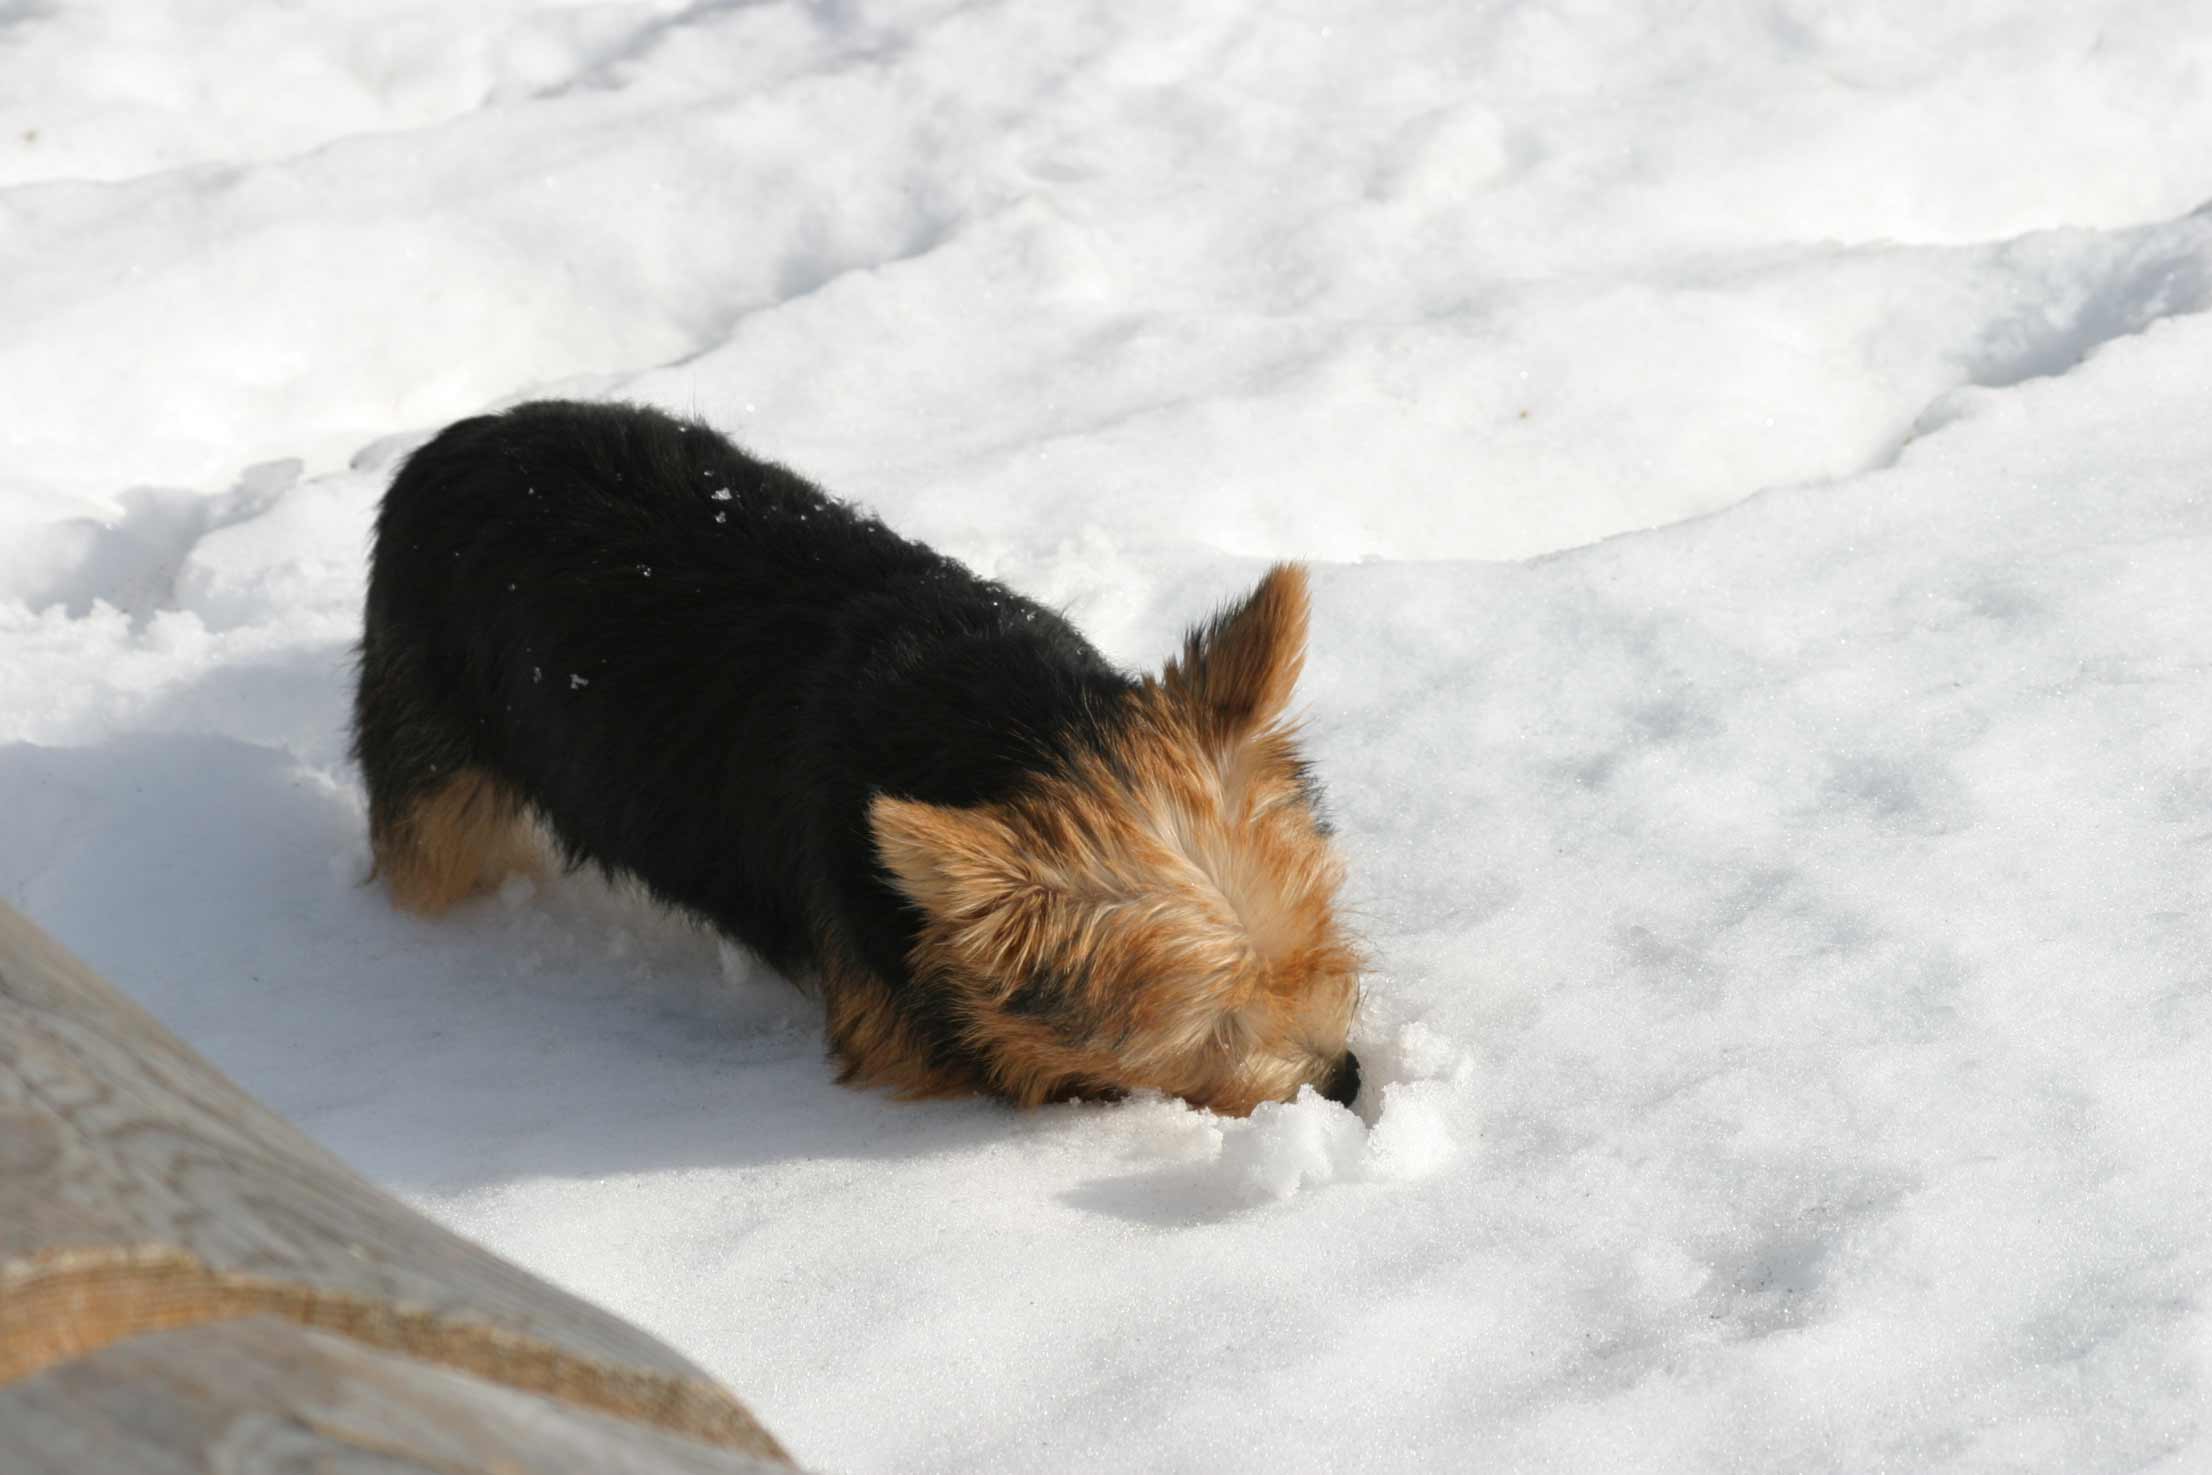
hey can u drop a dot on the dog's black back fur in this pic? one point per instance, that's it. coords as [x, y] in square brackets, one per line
[699, 668]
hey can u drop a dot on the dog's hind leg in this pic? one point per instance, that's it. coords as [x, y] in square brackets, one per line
[442, 827]
[450, 842]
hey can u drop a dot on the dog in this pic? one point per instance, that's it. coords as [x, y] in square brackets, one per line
[1008, 867]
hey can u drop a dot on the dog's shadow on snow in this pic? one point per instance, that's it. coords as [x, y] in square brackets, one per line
[1176, 1196]
[559, 1030]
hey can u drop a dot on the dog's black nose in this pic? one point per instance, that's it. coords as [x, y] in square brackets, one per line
[1343, 1082]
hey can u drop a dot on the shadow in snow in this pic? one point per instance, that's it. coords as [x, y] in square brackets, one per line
[132, 562]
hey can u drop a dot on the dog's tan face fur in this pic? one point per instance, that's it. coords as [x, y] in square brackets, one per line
[1162, 915]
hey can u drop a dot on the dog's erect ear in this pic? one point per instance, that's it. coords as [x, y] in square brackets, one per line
[1237, 670]
[946, 860]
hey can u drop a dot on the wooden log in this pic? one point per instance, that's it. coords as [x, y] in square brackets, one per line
[142, 1192]
[262, 1395]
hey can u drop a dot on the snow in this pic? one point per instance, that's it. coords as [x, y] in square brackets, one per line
[1754, 459]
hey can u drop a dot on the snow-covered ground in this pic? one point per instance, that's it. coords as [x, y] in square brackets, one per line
[1757, 460]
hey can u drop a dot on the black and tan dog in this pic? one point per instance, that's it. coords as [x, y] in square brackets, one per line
[1012, 868]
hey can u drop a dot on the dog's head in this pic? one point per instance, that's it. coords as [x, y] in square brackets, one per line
[1155, 909]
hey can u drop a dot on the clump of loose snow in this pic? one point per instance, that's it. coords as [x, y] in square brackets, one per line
[1286, 1145]
[1787, 1041]
[1416, 1085]
[1418, 1098]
